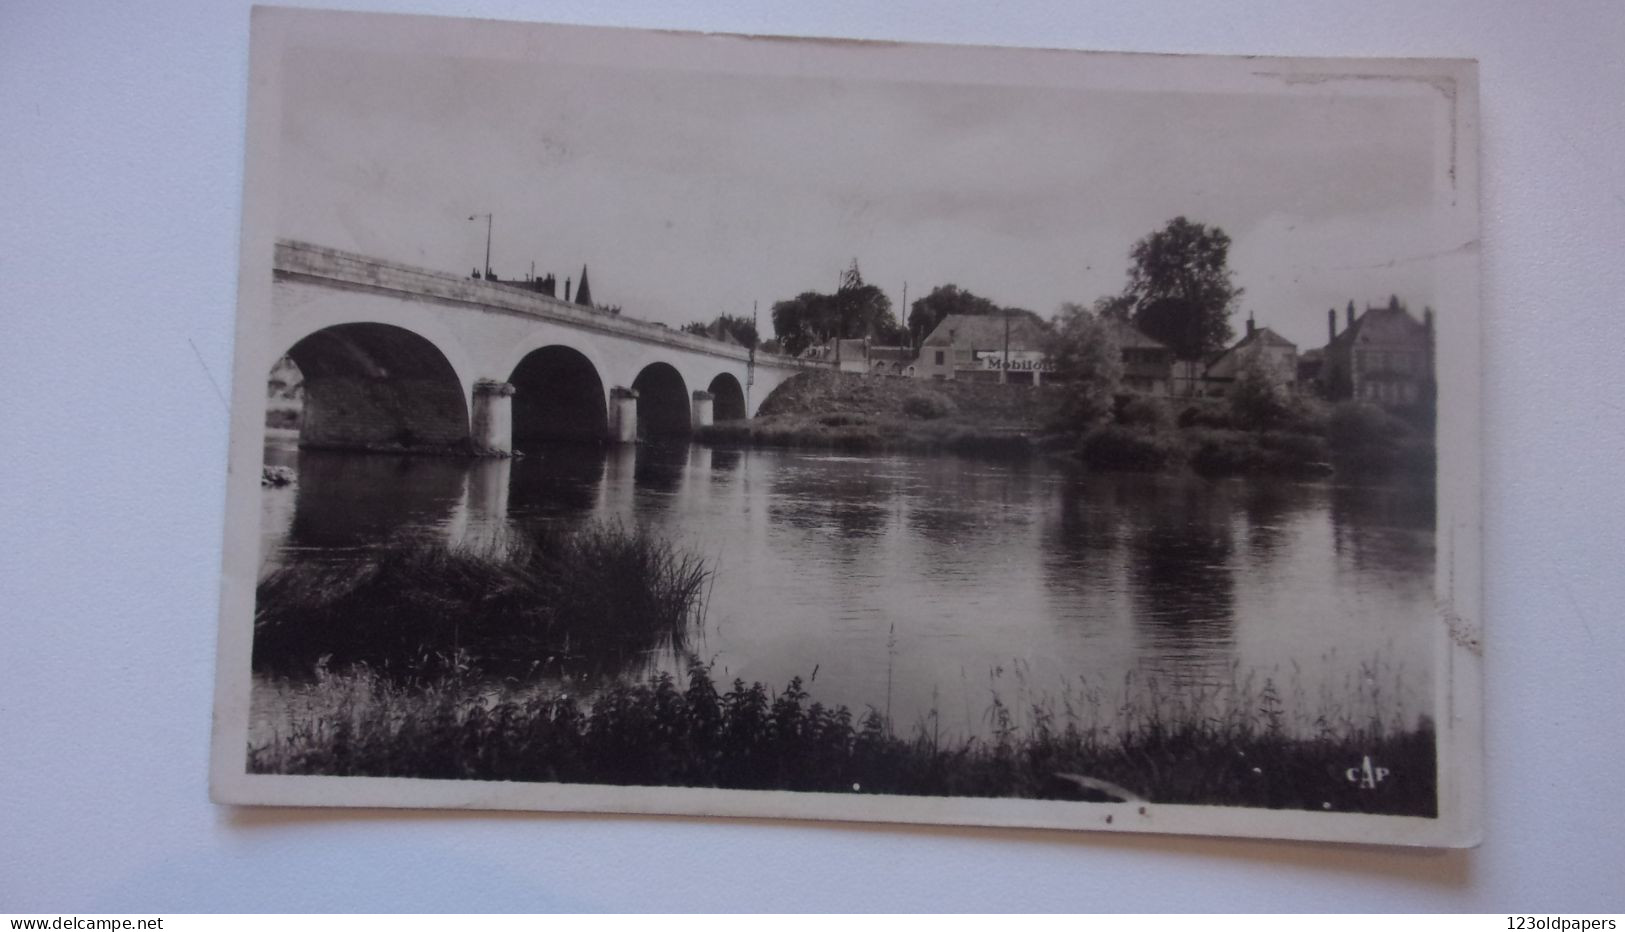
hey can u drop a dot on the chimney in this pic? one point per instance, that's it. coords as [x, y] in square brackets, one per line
[566, 287]
[1249, 323]
[1350, 322]
[1331, 324]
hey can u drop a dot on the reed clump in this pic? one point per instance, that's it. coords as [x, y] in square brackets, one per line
[1241, 748]
[422, 610]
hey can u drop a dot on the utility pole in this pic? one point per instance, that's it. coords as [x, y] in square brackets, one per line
[487, 273]
[840, 322]
[903, 313]
[750, 366]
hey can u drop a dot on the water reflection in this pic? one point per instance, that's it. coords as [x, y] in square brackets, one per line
[559, 480]
[907, 580]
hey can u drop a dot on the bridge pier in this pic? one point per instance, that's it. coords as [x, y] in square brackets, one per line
[703, 401]
[623, 415]
[492, 416]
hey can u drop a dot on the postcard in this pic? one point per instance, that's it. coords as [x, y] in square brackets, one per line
[717, 425]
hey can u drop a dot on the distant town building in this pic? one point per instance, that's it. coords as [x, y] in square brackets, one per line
[986, 348]
[892, 360]
[1148, 364]
[1278, 355]
[850, 355]
[1310, 365]
[1384, 356]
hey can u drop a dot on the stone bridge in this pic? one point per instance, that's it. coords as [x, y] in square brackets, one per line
[401, 358]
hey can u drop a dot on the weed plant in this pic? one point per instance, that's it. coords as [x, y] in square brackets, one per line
[420, 610]
[1241, 744]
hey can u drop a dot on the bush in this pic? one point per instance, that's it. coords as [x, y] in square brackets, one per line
[928, 406]
[418, 609]
[1354, 425]
[1257, 400]
[1235, 453]
[1295, 447]
[1206, 414]
[1139, 411]
[844, 420]
[1124, 448]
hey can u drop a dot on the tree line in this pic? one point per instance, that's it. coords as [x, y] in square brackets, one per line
[1180, 291]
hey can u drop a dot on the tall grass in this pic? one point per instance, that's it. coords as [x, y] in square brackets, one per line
[416, 609]
[1235, 746]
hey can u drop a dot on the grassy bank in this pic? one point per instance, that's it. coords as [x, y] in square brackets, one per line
[1232, 749]
[1289, 436]
[418, 609]
[843, 411]
[1304, 438]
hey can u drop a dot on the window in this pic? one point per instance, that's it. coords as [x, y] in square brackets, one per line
[939, 357]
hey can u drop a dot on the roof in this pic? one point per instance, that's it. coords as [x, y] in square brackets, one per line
[1129, 336]
[1391, 323]
[1229, 360]
[1264, 336]
[986, 332]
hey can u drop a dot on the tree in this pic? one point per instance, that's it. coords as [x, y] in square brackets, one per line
[927, 312]
[742, 329]
[1114, 307]
[1258, 400]
[1181, 287]
[855, 310]
[803, 321]
[1087, 359]
[863, 309]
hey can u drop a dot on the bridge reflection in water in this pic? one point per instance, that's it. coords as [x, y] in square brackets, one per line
[948, 578]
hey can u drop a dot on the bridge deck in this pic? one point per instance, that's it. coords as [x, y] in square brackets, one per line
[346, 269]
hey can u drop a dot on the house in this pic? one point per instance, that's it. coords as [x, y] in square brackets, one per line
[1310, 365]
[1384, 356]
[1148, 364]
[986, 348]
[1278, 355]
[891, 360]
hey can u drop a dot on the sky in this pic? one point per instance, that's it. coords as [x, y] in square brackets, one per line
[694, 193]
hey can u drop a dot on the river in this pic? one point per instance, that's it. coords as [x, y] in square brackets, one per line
[912, 583]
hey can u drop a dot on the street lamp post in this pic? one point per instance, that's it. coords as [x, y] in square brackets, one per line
[486, 273]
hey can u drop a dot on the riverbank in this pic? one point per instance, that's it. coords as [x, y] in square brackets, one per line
[1299, 437]
[842, 411]
[1232, 749]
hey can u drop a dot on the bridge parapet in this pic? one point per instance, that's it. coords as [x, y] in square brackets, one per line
[337, 267]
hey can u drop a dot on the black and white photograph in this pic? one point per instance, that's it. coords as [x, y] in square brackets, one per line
[721, 425]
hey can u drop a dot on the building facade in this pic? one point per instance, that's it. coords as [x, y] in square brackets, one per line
[1277, 354]
[986, 348]
[1148, 364]
[1385, 356]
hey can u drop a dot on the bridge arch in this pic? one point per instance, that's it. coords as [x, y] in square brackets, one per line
[558, 395]
[663, 401]
[377, 386]
[729, 398]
